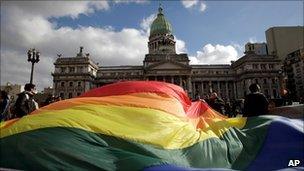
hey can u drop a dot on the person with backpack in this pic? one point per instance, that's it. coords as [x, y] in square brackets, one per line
[25, 102]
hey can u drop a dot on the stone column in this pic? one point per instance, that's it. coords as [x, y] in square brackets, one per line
[180, 81]
[226, 84]
[218, 88]
[261, 84]
[234, 90]
[210, 87]
[202, 87]
[270, 88]
[194, 90]
[248, 82]
[189, 86]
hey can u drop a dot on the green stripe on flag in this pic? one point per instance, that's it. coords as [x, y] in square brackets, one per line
[60, 148]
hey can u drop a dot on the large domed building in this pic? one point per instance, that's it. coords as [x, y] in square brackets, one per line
[160, 25]
[75, 75]
[161, 39]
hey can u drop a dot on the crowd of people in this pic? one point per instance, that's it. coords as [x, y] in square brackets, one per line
[230, 109]
[254, 103]
[24, 104]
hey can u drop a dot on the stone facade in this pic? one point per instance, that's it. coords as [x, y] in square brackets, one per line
[163, 64]
[74, 75]
[262, 69]
[257, 48]
[294, 69]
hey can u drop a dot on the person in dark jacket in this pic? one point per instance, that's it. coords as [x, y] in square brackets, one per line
[4, 105]
[216, 103]
[255, 103]
[25, 102]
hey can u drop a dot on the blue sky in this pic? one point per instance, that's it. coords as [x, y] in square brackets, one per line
[116, 32]
[222, 22]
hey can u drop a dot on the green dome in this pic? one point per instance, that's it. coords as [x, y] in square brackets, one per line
[160, 25]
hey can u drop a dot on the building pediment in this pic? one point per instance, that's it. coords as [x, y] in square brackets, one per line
[168, 65]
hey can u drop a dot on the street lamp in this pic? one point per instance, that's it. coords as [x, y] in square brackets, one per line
[33, 57]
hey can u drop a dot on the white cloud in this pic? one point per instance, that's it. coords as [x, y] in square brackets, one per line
[146, 23]
[180, 46]
[189, 3]
[54, 8]
[252, 39]
[238, 47]
[203, 7]
[131, 1]
[200, 5]
[24, 27]
[218, 54]
[193, 60]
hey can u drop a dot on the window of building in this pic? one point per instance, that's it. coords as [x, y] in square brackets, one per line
[196, 86]
[61, 95]
[265, 81]
[62, 84]
[78, 94]
[255, 66]
[63, 69]
[263, 66]
[270, 66]
[70, 95]
[71, 69]
[71, 84]
[79, 84]
[79, 69]
[257, 81]
[273, 81]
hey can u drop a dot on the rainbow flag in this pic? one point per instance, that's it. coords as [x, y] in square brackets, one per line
[142, 125]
